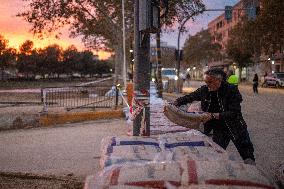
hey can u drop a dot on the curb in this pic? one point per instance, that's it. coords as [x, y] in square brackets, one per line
[52, 119]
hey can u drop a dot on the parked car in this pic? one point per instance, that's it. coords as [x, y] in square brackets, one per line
[275, 79]
[168, 74]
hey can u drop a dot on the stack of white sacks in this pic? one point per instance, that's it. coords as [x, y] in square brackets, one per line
[176, 160]
[175, 157]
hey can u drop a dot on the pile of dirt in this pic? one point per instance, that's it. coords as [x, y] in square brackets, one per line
[30, 181]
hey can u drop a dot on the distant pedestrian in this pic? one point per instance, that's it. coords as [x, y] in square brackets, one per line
[255, 83]
[187, 79]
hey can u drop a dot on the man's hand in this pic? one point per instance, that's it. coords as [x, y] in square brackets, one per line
[208, 116]
[216, 115]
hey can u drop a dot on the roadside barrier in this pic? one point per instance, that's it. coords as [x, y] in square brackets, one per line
[75, 97]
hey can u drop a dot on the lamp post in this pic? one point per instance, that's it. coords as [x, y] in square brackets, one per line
[124, 56]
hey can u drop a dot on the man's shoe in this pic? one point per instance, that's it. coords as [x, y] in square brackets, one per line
[249, 161]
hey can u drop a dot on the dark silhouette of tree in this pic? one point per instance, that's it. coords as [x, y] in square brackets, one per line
[71, 58]
[86, 62]
[52, 60]
[102, 67]
[25, 62]
[7, 55]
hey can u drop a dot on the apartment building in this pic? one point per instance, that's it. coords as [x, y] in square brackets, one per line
[220, 29]
[168, 55]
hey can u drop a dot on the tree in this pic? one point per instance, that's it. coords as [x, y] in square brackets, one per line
[242, 45]
[7, 55]
[86, 62]
[52, 60]
[71, 58]
[102, 67]
[99, 22]
[199, 49]
[269, 25]
[25, 61]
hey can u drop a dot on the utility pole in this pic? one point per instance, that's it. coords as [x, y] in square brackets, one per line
[124, 51]
[159, 66]
[141, 77]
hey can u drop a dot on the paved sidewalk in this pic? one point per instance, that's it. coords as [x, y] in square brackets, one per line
[73, 149]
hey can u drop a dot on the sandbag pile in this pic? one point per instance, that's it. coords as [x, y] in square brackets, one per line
[186, 174]
[121, 150]
[192, 145]
[177, 160]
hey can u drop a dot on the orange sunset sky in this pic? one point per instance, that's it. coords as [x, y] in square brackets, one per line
[16, 30]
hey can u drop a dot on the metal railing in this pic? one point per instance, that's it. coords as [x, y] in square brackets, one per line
[81, 97]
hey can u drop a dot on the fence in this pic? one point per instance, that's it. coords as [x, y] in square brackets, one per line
[81, 97]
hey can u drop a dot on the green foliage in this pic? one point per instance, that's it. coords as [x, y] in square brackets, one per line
[199, 49]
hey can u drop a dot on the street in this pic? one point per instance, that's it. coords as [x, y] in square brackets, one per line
[75, 148]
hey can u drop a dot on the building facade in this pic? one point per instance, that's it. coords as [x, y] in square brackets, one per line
[167, 53]
[220, 29]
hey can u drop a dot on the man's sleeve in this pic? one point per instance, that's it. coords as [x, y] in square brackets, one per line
[234, 104]
[194, 96]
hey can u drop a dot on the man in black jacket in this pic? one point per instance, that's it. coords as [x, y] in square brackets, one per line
[221, 102]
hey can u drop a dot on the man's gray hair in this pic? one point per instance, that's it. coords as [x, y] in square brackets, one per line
[217, 73]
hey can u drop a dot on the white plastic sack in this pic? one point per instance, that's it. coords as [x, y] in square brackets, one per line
[120, 150]
[150, 175]
[130, 154]
[220, 173]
